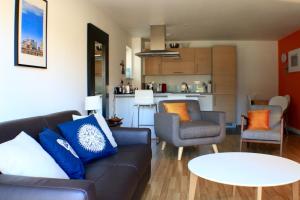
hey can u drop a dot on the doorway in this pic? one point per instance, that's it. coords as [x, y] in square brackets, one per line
[98, 65]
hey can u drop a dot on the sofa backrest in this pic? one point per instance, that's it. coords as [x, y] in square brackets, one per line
[34, 125]
[193, 107]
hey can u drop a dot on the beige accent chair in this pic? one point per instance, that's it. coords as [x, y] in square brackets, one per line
[272, 136]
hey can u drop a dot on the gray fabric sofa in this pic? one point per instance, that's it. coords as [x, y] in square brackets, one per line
[121, 176]
[205, 127]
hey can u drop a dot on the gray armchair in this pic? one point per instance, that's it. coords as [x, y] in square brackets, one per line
[272, 136]
[205, 127]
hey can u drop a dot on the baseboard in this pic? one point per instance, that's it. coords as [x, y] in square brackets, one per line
[294, 130]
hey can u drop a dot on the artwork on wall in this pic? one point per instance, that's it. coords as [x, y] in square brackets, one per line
[31, 33]
[294, 60]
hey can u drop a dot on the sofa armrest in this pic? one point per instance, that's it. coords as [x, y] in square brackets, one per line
[29, 188]
[167, 126]
[130, 136]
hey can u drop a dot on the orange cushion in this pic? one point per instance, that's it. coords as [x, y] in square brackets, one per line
[178, 108]
[259, 120]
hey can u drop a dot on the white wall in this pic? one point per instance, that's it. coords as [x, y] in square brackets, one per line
[257, 69]
[28, 92]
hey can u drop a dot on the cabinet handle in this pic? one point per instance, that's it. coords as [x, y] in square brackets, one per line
[177, 72]
[191, 96]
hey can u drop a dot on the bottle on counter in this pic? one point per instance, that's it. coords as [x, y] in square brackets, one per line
[209, 87]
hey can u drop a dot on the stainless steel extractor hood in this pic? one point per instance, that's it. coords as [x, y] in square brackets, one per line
[157, 44]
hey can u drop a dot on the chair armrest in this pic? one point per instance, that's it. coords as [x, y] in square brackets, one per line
[245, 117]
[217, 117]
[131, 136]
[214, 116]
[167, 126]
[29, 188]
[244, 122]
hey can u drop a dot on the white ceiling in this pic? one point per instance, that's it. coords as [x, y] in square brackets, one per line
[207, 19]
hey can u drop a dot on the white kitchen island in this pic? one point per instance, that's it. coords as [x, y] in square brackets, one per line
[124, 107]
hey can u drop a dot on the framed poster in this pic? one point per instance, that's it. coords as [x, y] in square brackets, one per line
[294, 60]
[31, 33]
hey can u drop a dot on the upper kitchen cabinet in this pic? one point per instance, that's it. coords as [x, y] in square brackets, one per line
[153, 65]
[183, 65]
[186, 54]
[203, 60]
[224, 60]
[177, 68]
[224, 69]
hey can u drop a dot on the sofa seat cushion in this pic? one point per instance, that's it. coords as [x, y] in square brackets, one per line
[136, 156]
[112, 181]
[199, 129]
[271, 135]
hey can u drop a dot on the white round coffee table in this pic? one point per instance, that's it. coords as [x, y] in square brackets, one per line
[245, 169]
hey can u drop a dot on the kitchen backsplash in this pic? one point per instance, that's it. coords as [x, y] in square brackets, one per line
[174, 82]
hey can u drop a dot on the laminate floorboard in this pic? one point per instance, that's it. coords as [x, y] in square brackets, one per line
[170, 177]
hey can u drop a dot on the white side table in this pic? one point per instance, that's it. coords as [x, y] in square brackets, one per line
[245, 169]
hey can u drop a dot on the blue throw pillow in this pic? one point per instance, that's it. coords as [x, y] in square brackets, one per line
[62, 153]
[87, 138]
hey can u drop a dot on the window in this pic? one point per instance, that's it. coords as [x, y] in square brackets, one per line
[128, 62]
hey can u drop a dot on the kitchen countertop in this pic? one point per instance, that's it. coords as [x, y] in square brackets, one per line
[166, 94]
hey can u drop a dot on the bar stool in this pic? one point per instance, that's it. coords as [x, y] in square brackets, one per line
[144, 98]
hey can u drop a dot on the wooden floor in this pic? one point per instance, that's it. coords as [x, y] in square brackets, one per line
[170, 178]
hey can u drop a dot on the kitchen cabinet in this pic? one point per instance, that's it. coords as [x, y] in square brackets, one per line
[224, 84]
[224, 80]
[153, 65]
[186, 54]
[178, 68]
[203, 60]
[224, 70]
[227, 104]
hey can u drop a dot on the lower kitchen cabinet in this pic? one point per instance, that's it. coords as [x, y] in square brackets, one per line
[227, 104]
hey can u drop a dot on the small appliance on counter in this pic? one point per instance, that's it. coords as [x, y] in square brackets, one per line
[164, 88]
[123, 89]
[158, 88]
[118, 90]
[184, 87]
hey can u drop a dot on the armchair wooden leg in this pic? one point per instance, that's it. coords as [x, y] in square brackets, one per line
[296, 190]
[241, 145]
[281, 146]
[163, 145]
[215, 148]
[180, 150]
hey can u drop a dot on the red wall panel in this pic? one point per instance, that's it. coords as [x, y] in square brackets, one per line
[289, 83]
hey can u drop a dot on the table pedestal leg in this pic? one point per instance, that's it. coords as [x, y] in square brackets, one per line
[259, 193]
[296, 190]
[193, 186]
[233, 192]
